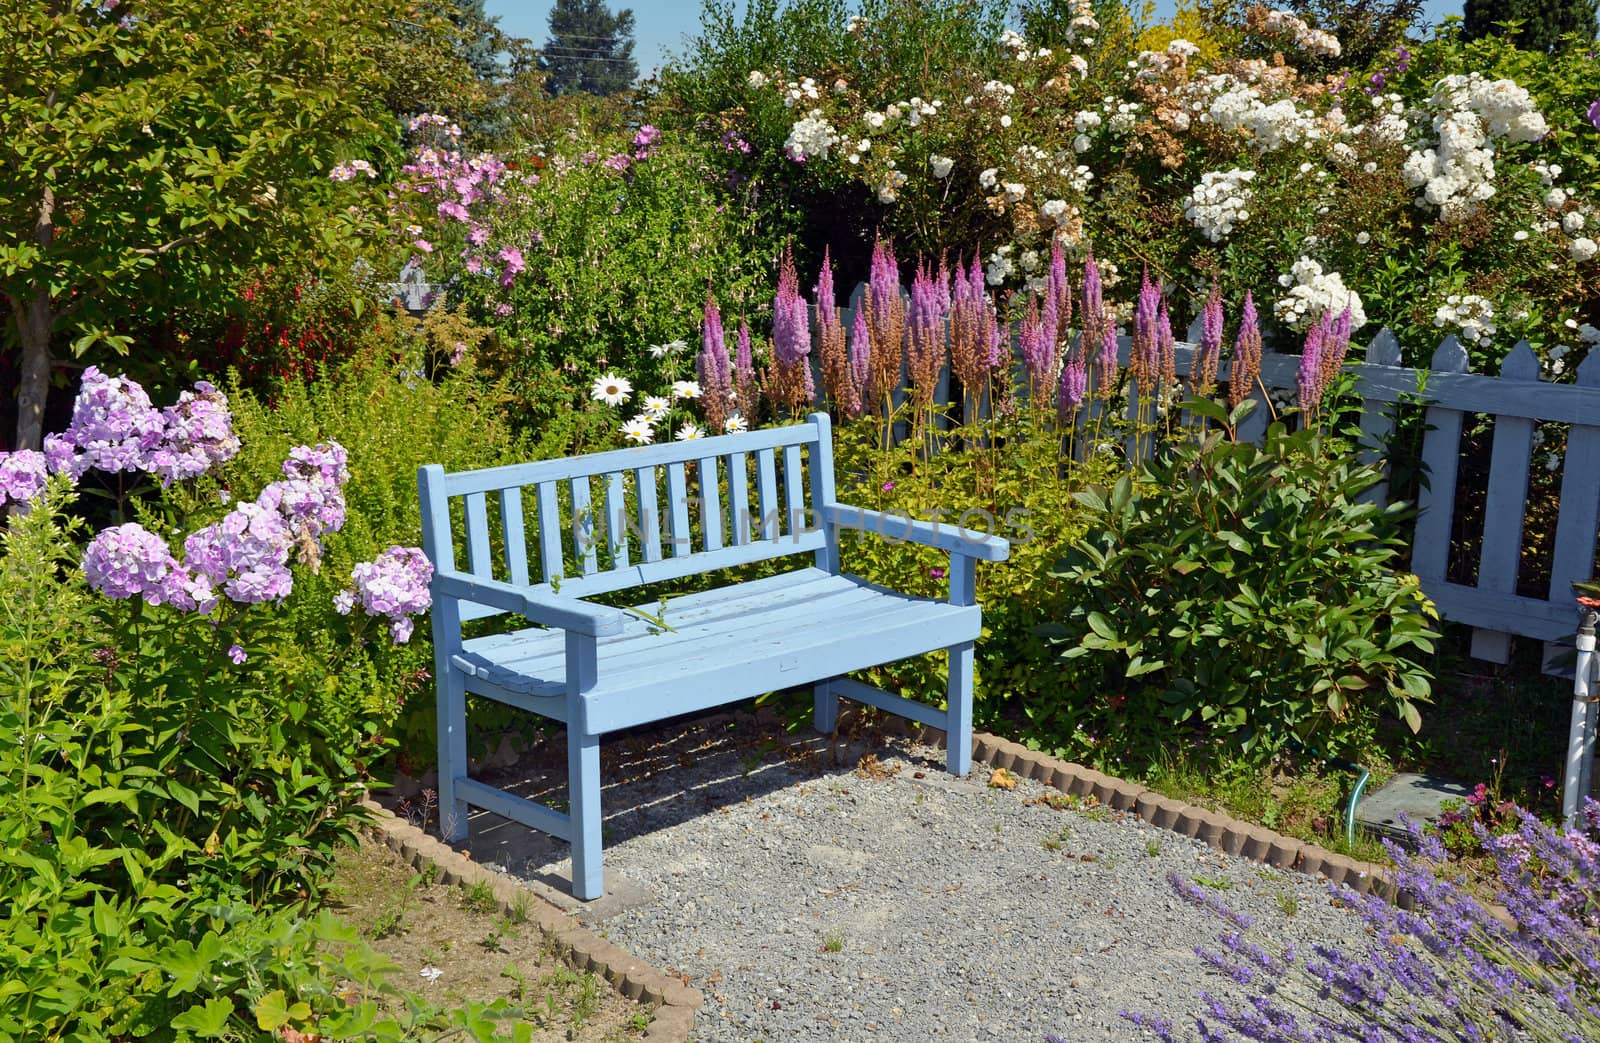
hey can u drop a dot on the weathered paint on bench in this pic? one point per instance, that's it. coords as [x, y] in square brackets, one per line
[564, 530]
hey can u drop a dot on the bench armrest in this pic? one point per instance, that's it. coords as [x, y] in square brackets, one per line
[545, 609]
[947, 537]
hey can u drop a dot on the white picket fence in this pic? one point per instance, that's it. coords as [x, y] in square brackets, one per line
[1515, 400]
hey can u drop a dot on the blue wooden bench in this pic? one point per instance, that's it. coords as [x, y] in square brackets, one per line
[541, 537]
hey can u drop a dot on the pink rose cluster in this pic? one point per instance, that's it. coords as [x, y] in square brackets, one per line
[394, 585]
[115, 428]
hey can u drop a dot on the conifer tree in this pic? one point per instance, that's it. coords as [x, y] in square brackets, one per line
[589, 49]
[1543, 21]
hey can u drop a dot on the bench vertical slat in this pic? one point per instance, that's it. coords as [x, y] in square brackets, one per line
[516, 539]
[649, 535]
[822, 492]
[550, 555]
[738, 500]
[615, 524]
[583, 531]
[678, 506]
[480, 556]
[1505, 505]
[710, 505]
[794, 489]
[769, 526]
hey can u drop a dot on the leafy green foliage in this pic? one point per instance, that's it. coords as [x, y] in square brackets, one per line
[391, 419]
[1249, 592]
[1007, 478]
[155, 153]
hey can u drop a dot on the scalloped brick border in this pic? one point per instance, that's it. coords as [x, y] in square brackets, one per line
[674, 1004]
[1230, 835]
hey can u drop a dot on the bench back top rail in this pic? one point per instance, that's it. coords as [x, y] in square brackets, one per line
[587, 525]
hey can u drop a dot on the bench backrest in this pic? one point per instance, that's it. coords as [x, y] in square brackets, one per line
[586, 525]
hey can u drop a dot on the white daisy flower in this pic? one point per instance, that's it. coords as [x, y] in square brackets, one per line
[735, 424]
[431, 973]
[688, 432]
[611, 389]
[671, 347]
[655, 407]
[638, 430]
[685, 389]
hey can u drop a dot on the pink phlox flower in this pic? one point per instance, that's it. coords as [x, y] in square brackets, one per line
[618, 161]
[22, 476]
[478, 235]
[326, 461]
[394, 585]
[474, 265]
[113, 423]
[197, 435]
[513, 264]
[246, 554]
[127, 561]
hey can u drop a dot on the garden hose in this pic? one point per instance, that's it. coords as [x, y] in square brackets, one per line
[1363, 777]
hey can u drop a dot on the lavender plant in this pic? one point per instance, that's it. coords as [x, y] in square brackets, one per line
[1447, 970]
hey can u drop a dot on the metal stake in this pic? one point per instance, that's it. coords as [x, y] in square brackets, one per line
[1581, 736]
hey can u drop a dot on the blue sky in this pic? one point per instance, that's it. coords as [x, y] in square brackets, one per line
[662, 25]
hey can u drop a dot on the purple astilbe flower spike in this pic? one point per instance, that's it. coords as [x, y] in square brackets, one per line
[791, 381]
[1037, 345]
[744, 371]
[1203, 374]
[1094, 309]
[832, 344]
[1166, 346]
[1336, 342]
[1309, 378]
[1144, 360]
[887, 322]
[1074, 384]
[860, 355]
[1060, 291]
[713, 368]
[1106, 363]
[1245, 366]
[925, 341]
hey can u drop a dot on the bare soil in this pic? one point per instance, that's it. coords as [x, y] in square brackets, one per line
[479, 954]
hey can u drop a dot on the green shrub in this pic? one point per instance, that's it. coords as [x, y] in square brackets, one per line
[1247, 591]
[391, 419]
[147, 786]
[1006, 478]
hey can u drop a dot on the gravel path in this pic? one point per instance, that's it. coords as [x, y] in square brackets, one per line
[814, 896]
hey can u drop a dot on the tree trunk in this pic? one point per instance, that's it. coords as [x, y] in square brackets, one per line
[33, 384]
[34, 320]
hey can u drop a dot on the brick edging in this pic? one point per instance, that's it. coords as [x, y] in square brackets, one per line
[674, 1004]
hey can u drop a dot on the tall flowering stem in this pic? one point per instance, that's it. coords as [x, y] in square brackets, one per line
[717, 393]
[789, 377]
[1310, 378]
[744, 372]
[1099, 332]
[837, 376]
[1203, 373]
[971, 331]
[1245, 366]
[1336, 343]
[1036, 341]
[926, 337]
[886, 319]
[860, 359]
[1144, 361]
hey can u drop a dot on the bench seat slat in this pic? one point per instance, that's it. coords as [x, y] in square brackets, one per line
[841, 624]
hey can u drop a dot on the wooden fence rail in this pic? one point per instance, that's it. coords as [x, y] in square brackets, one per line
[1514, 402]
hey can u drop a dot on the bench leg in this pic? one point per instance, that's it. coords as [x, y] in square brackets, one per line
[825, 707]
[583, 797]
[452, 727]
[958, 712]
